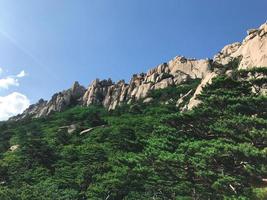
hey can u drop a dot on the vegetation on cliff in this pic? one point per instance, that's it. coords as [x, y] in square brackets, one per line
[218, 150]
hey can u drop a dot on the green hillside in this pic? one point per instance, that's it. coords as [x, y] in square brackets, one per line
[145, 151]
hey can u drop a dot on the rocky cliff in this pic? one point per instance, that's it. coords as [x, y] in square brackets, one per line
[59, 102]
[251, 52]
[177, 71]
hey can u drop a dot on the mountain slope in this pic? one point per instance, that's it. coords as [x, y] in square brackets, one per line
[252, 52]
[187, 129]
[144, 150]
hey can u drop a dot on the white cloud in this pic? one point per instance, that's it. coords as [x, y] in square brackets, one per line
[21, 74]
[9, 81]
[5, 83]
[12, 104]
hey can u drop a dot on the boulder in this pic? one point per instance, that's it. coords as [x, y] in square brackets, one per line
[86, 131]
[148, 100]
[14, 147]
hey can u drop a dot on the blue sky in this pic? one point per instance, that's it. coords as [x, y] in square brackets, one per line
[57, 42]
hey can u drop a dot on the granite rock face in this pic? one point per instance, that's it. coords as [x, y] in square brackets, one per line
[62, 100]
[59, 102]
[34, 110]
[251, 52]
[177, 71]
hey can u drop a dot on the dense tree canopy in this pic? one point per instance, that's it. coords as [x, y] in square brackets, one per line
[218, 150]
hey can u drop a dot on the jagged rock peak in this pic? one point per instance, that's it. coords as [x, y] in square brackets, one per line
[110, 95]
[77, 90]
[75, 86]
[59, 102]
[41, 101]
[175, 72]
[252, 51]
[32, 110]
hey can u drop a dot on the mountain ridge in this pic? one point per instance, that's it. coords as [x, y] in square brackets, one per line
[251, 52]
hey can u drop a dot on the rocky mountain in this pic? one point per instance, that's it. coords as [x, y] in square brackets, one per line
[251, 52]
[59, 102]
[177, 71]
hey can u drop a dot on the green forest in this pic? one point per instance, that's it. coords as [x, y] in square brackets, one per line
[145, 151]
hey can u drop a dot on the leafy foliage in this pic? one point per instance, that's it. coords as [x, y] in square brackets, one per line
[143, 151]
